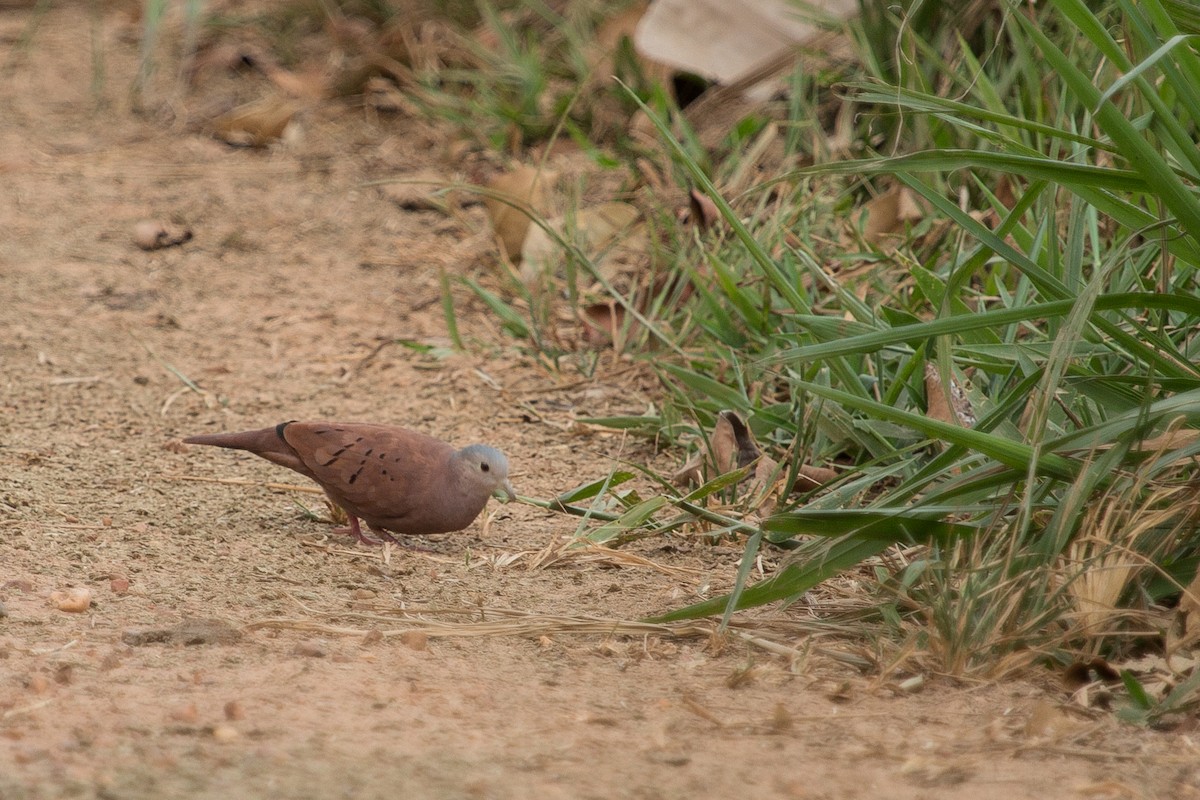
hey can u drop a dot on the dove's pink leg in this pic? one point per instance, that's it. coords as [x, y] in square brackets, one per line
[382, 534]
[356, 531]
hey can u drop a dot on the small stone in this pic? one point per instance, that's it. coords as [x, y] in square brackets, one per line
[225, 733]
[119, 586]
[234, 711]
[188, 714]
[75, 600]
[309, 649]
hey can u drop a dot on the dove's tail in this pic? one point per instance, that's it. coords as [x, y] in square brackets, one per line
[267, 440]
[254, 441]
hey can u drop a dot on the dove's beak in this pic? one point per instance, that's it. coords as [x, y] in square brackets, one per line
[506, 492]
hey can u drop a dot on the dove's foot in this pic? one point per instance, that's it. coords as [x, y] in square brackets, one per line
[354, 530]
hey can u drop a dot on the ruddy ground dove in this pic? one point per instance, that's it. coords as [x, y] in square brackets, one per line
[393, 479]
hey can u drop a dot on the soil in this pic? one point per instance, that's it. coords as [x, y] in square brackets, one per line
[235, 647]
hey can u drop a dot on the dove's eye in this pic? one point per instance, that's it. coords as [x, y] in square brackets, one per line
[484, 466]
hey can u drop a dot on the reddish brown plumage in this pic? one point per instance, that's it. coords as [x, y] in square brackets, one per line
[392, 478]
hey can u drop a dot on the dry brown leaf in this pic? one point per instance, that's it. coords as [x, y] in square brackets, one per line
[691, 473]
[809, 478]
[1171, 440]
[593, 230]
[703, 210]
[733, 446]
[723, 40]
[889, 213]
[518, 194]
[256, 124]
[951, 407]
[602, 321]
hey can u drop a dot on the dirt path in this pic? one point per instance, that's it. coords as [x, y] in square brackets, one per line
[282, 307]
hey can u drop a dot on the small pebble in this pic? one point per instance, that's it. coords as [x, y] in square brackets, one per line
[75, 600]
[225, 733]
[309, 649]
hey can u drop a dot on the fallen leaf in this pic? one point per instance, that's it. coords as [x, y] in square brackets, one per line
[603, 321]
[704, 212]
[723, 40]
[732, 446]
[256, 124]
[592, 230]
[888, 213]
[951, 407]
[732, 443]
[514, 197]
[809, 478]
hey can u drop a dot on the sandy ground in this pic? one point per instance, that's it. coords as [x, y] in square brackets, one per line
[302, 669]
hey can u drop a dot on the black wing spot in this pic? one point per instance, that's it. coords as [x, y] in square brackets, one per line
[354, 477]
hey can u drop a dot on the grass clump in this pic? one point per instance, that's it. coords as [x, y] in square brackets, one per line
[1047, 278]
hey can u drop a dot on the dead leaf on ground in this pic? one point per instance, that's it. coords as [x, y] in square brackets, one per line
[732, 446]
[953, 407]
[256, 124]
[888, 214]
[723, 40]
[593, 230]
[809, 478]
[703, 210]
[513, 197]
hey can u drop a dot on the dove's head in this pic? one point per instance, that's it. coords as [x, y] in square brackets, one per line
[486, 468]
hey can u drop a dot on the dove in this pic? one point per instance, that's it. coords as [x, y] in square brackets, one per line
[393, 479]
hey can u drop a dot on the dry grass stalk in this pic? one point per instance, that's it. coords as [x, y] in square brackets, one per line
[1118, 538]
